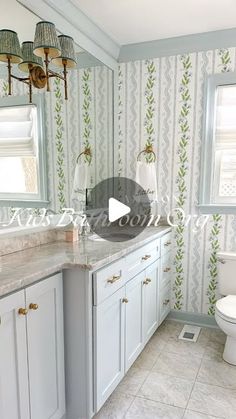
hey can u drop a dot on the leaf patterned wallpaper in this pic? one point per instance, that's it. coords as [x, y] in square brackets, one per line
[161, 103]
[86, 119]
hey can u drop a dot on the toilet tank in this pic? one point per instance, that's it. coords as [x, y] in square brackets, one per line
[227, 273]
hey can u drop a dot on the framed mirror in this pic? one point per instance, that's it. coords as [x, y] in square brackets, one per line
[68, 128]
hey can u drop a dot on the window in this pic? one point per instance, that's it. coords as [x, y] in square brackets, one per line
[218, 183]
[22, 166]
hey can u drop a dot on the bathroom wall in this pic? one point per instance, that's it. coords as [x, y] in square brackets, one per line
[85, 119]
[161, 102]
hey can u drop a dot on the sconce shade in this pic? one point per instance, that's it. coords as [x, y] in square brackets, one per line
[29, 57]
[67, 52]
[46, 38]
[10, 46]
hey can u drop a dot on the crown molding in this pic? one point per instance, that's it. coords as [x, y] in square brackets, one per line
[178, 45]
[71, 21]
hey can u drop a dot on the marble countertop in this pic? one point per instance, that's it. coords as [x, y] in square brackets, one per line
[20, 269]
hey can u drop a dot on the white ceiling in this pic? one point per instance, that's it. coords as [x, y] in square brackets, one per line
[131, 21]
[16, 17]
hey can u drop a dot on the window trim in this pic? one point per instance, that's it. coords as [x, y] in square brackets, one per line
[205, 205]
[24, 200]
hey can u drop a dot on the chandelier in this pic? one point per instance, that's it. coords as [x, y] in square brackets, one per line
[47, 47]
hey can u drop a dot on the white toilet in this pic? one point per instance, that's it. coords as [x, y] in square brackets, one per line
[225, 314]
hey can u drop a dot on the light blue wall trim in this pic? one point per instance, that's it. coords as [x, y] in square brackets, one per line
[71, 21]
[179, 45]
[193, 318]
[217, 209]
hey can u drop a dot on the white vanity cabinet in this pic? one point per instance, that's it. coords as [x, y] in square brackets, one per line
[32, 352]
[126, 319]
[110, 315]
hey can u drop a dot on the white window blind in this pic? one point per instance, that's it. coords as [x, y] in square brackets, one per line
[18, 131]
[224, 189]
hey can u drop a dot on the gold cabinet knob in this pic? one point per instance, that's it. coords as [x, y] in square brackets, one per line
[167, 270]
[33, 306]
[146, 257]
[22, 311]
[113, 279]
[125, 300]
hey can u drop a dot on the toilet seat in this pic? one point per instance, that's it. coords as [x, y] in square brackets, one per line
[226, 308]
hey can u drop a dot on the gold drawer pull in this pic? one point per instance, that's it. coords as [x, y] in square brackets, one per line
[23, 311]
[146, 257]
[114, 279]
[125, 300]
[166, 302]
[167, 270]
[33, 306]
[167, 243]
[147, 281]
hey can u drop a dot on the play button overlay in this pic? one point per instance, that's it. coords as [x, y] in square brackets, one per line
[118, 209]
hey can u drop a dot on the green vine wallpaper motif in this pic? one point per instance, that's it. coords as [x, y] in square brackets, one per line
[150, 108]
[86, 114]
[225, 66]
[5, 88]
[120, 112]
[59, 145]
[212, 266]
[225, 60]
[184, 127]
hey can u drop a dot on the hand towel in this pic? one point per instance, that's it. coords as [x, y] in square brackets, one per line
[146, 177]
[82, 180]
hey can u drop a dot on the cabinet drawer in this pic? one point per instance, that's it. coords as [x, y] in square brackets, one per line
[137, 261]
[165, 274]
[165, 301]
[166, 243]
[108, 280]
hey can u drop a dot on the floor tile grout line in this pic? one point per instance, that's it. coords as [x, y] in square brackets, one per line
[129, 406]
[158, 401]
[194, 382]
[205, 414]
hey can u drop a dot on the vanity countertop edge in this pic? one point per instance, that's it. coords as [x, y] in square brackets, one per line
[23, 268]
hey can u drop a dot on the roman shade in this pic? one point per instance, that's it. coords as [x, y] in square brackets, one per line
[18, 131]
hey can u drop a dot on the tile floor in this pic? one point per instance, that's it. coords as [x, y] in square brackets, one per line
[174, 379]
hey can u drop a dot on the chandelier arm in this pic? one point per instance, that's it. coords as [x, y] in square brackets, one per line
[46, 61]
[23, 79]
[9, 75]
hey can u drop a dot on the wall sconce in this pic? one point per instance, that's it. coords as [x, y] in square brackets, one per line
[58, 50]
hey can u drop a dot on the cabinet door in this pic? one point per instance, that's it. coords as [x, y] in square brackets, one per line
[14, 391]
[165, 302]
[108, 346]
[150, 299]
[46, 348]
[133, 320]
